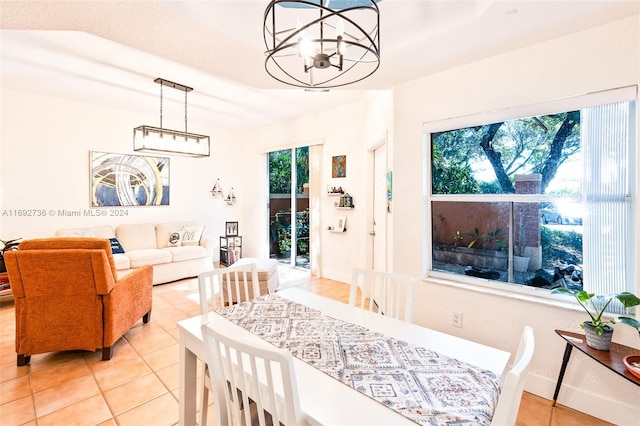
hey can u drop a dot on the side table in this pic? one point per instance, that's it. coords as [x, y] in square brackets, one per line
[611, 359]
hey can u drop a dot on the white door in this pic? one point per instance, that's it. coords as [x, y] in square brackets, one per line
[378, 228]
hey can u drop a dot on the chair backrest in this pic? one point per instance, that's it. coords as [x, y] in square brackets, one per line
[225, 286]
[245, 372]
[56, 266]
[384, 292]
[509, 402]
[72, 243]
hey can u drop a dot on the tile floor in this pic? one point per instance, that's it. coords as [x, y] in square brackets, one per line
[139, 386]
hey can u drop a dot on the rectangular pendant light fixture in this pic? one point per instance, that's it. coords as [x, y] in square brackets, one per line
[160, 140]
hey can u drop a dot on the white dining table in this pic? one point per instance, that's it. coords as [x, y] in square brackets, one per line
[323, 399]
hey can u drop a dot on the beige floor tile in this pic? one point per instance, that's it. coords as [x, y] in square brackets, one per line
[10, 371]
[149, 338]
[14, 389]
[136, 392]
[118, 373]
[122, 352]
[7, 349]
[65, 394]
[17, 412]
[49, 373]
[162, 411]
[170, 376]
[90, 411]
[164, 357]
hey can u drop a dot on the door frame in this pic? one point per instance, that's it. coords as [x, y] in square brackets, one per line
[382, 224]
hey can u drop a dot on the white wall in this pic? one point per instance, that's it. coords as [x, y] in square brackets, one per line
[601, 58]
[345, 130]
[45, 144]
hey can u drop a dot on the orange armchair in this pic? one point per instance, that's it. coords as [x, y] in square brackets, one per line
[68, 296]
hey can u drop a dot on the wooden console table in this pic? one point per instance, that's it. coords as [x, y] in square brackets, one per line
[611, 359]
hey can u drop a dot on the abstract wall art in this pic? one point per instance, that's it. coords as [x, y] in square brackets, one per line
[128, 180]
[339, 166]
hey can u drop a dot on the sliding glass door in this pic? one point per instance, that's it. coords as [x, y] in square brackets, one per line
[289, 206]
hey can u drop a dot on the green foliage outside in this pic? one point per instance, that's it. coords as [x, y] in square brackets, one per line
[280, 170]
[529, 145]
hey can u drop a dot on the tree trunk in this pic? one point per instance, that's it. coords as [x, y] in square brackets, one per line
[550, 166]
[494, 158]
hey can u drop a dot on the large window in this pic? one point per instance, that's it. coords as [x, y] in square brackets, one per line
[538, 197]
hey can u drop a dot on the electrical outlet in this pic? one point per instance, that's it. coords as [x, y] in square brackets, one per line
[456, 319]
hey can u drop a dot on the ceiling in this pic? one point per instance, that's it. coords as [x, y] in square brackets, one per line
[109, 51]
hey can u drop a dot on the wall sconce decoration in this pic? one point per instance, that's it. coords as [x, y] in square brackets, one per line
[216, 191]
[231, 198]
[157, 139]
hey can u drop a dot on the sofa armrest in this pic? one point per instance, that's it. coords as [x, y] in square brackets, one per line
[127, 302]
[209, 244]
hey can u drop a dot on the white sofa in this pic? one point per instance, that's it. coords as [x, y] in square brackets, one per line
[147, 244]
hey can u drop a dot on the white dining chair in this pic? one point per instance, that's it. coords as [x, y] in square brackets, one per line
[257, 375]
[383, 292]
[509, 401]
[219, 288]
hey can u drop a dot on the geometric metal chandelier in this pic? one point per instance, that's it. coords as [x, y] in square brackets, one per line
[156, 139]
[321, 44]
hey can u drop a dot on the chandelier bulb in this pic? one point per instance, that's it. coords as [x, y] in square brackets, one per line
[340, 28]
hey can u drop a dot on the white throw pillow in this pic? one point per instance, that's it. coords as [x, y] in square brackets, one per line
[191, 235]
[175, 239]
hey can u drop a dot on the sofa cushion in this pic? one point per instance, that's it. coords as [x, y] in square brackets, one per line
[191, 235]
[179, 254]
[164, 230]
[175, 239]
[153, 256]
[104, 231]
[116, 247]
[138, 236]
[121, 261]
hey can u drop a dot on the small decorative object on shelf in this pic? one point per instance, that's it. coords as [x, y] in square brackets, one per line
[216, 191]
[231, 229]
[346, 201]
[335, 191]
[230, 249]
[340, 225]
[231, 198]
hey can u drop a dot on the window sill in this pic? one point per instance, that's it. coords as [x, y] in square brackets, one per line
[521, 293]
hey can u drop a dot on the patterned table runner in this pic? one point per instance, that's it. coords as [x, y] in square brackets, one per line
[420, 384]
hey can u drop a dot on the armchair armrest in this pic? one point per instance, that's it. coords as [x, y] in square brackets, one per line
[129, 300]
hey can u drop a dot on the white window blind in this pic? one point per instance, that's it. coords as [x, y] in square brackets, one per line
[608, 132]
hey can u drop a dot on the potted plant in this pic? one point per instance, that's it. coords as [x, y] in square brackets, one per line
[598, 332]
[7, 246]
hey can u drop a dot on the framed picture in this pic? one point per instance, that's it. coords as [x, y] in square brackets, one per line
[231, 229]
[339, 166]
[128, 180]
[341, 223]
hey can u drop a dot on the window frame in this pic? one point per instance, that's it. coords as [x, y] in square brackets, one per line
[579, 102]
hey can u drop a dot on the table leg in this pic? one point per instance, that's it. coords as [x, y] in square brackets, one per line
[565, 361]
[188, 384]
